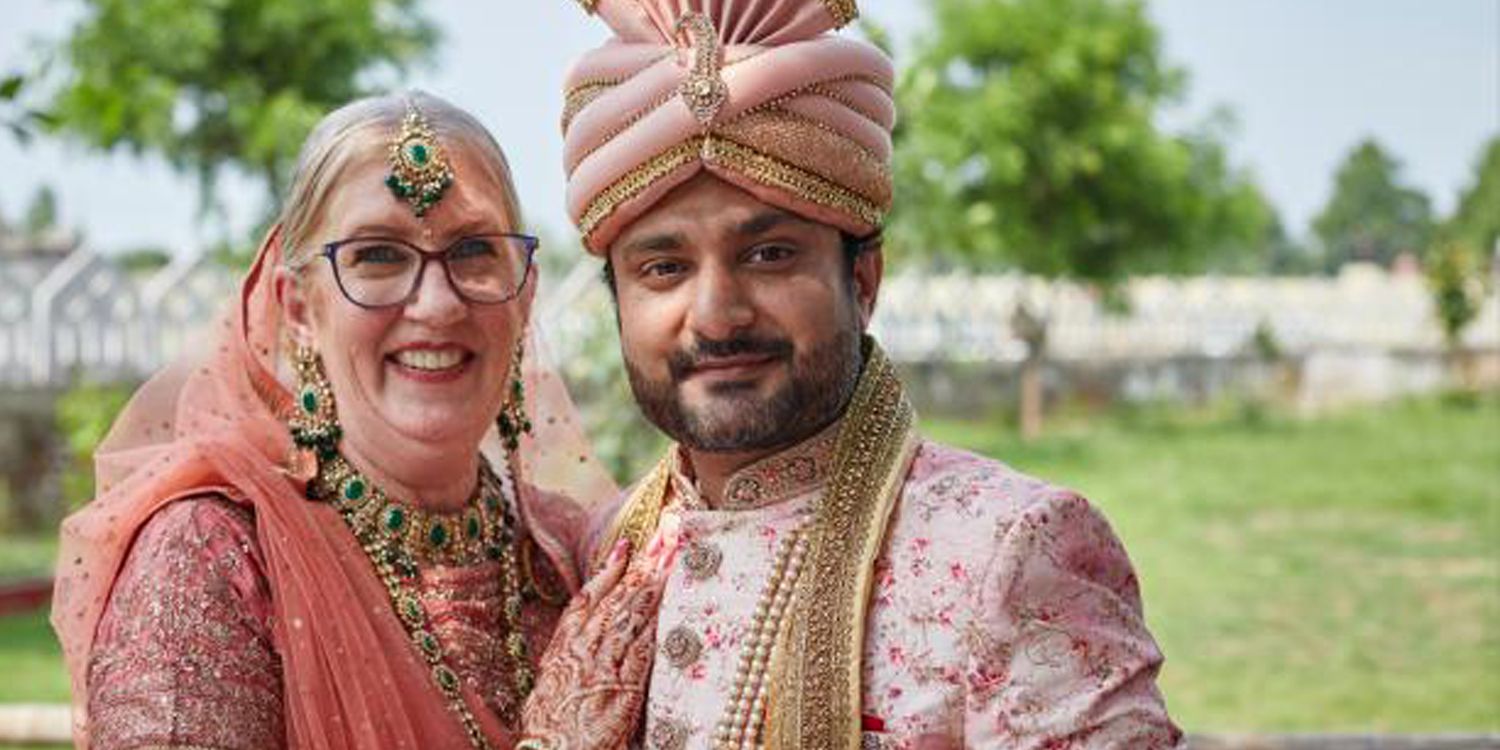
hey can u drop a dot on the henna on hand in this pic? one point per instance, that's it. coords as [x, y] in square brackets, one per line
[592, 681]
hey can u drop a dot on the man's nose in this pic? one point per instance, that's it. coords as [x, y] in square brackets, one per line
[722, 304]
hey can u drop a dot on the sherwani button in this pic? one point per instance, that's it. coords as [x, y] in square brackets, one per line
[702, 560]
[681, 647]
[667, 734]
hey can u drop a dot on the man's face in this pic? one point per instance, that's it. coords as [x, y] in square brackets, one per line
[740, 322]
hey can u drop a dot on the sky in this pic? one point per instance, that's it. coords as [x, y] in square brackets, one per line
[1305, 80]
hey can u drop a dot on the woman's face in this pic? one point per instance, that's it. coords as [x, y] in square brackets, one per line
[432, 370]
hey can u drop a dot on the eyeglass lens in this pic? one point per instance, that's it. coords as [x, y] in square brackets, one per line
[484, 269]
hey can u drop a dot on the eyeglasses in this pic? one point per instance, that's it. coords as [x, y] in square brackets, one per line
[485, 269]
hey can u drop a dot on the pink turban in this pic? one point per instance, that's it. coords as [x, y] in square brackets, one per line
[755, 91]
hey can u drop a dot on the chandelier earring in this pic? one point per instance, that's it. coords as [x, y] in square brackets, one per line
[513, 422]
[315, 425]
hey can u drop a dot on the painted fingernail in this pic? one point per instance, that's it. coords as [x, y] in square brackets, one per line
[664, 563]
[618, 553]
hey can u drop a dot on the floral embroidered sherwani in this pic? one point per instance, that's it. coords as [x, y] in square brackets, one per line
[1005, 613]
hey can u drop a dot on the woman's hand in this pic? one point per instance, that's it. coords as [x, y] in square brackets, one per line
[591, 686]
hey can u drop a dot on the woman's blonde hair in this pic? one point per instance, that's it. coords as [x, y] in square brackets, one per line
[364, 127]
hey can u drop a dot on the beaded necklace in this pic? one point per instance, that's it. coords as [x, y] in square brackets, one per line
[744, 716]
[399, 540]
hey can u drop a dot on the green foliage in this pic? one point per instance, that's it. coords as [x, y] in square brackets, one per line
[16, 115]
[1458, 276]
[84, 415]
[143, 259]
[621, 437]
[1030, 141]
[1371, 216]
[218, 83]
[1285, 256]
[1301, 576]
[41, 214]
[1476, 221]
[1459, 264]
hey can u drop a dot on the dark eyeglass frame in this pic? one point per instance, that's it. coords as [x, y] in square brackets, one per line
[530, 242]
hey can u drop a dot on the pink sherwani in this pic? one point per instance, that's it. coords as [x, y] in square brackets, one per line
[1005, 612]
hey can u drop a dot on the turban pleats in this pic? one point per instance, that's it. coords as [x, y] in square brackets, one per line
[804, 124]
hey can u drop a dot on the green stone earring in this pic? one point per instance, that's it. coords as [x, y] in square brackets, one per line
[315, 426]
[513, 422]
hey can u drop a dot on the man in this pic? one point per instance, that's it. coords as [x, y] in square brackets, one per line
[841, 582]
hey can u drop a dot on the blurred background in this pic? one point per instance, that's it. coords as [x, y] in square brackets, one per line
[1228, 267]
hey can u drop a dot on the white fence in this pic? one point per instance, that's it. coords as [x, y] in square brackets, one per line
[82, 316]
[1364, 309]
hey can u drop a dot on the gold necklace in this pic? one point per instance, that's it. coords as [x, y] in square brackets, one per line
[400, 540]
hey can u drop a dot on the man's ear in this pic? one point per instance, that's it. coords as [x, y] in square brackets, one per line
[292, 296]
[869, 269]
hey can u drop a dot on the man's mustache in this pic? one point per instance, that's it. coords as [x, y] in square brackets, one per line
[680, 363]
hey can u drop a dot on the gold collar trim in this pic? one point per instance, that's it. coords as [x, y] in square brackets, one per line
[791, 473]
[815, 680]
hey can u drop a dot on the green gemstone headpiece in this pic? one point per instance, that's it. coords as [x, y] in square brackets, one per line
[419, 168]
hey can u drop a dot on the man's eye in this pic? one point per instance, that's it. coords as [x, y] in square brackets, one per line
[770, 253]
[662, 268]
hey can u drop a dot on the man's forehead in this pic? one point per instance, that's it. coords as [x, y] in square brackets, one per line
[729, 224]
[704, 207]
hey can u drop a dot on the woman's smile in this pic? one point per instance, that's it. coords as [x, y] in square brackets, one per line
[431, 363]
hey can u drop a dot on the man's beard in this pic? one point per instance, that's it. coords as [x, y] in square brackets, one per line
[737, 419]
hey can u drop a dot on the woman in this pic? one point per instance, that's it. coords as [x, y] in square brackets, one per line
[297, 541]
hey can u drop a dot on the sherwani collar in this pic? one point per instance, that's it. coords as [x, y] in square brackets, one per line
[816, 670]
[790, 473]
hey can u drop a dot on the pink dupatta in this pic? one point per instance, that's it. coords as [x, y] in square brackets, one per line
[213, 423]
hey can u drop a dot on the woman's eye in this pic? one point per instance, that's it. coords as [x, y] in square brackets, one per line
[377, 253]
[472, 248]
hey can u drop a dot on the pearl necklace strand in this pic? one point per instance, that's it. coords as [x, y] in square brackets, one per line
[744, 715]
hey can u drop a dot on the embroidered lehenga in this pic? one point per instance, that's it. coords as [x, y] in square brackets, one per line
[203, 600]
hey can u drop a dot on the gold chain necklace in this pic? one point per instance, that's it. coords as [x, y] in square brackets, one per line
[399, 540]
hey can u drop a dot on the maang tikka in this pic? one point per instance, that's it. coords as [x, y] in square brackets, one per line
[420, 172]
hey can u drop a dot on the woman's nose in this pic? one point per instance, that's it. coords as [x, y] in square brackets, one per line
[434, 301]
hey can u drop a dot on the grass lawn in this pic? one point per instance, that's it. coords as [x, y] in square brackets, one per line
[1341, 574]
[26, 556]
[31, 661]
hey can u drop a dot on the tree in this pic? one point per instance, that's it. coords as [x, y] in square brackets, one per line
[1265, 249]
[1457, 275]
[41, 215]
[16, 115]
[209, 85]
[1031, 142]
[1459, 265]
[1371, 216]
[1476, 220]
